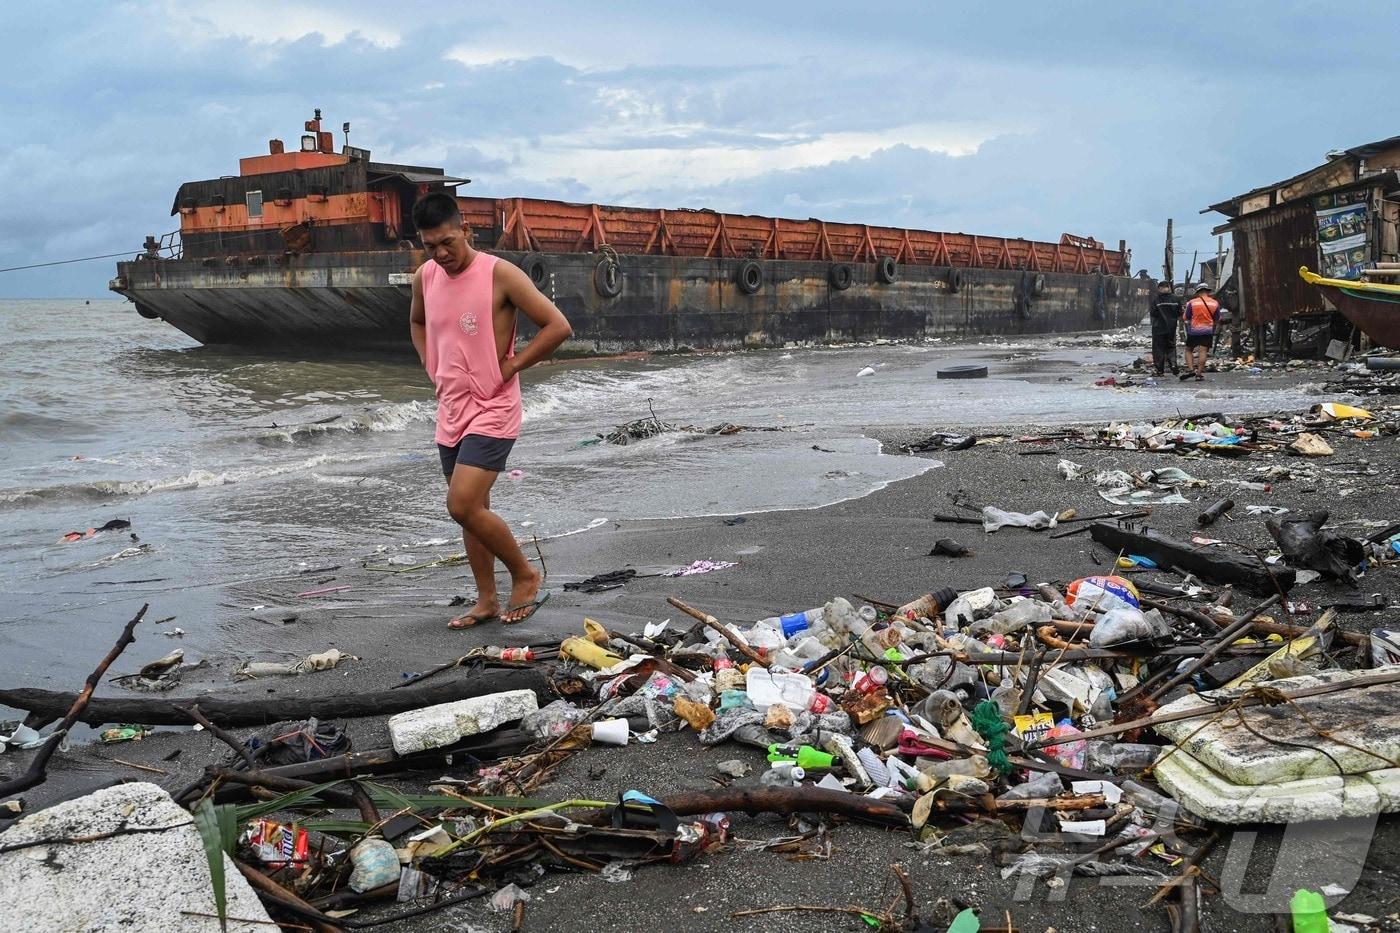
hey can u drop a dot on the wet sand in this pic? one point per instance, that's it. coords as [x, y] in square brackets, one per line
[875, 546]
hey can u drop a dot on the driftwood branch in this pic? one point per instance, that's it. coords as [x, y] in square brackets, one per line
[787, 800]
[239, 748]
[265, 710]
[38, 767]
[713, 623]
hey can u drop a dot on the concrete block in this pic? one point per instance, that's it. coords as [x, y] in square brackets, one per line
[137, 881]
[1207, 794]
[1365, 720]
[435, 726]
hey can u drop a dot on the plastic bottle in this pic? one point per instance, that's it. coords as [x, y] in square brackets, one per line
[838, 619]
[1309, 912]
[798, 652]
[766, 687]
[784, 774]
[969, 606]
[509, 654]
[1015, 617]
[871, 680]
[764, 637]
[793, 622]
[805, 756]
[1163, 809]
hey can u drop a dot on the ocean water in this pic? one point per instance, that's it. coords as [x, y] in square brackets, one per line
[234, 467]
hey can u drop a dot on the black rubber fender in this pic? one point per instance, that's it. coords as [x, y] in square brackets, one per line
[749, 277]
[840, 275]
[954, 279]
[962, 371]
[886, 270]
[1025, 295]
[1100, 298]
[146, 312]
[607, 278]
[1038, 285]
[536, 267]
[1115, 288]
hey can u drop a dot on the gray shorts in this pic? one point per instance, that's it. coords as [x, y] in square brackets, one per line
[476, 450]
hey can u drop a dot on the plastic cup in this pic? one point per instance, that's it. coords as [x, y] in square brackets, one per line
[610, 732]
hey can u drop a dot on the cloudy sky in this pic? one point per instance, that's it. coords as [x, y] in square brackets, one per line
[1018, 118]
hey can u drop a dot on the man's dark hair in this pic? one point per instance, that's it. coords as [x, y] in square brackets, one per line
[1164, 284]
[434, 210]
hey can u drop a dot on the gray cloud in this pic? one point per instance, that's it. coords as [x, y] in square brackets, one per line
[1099, 119]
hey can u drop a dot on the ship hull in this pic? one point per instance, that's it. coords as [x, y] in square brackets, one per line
[335, 301]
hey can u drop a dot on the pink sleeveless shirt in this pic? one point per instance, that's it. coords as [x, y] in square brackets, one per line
[461, 354]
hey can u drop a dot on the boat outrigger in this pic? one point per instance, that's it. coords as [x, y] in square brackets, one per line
[1372, 307]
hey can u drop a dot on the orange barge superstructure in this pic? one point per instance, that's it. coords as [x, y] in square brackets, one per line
[314, 247]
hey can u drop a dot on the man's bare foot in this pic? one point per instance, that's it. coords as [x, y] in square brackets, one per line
[524, 598]
[485, 610]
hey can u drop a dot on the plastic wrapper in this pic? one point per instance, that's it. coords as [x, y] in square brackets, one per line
[1102, 594]
[1123, 626]
[278, 845]
[375, 864]
[553, 720]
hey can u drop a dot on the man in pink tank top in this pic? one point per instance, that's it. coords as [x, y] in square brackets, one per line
[463, 327]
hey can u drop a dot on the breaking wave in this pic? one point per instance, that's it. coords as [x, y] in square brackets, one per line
[385, 418]
[621, 395]
[98, 490]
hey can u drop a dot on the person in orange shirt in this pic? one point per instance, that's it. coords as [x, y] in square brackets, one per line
[1202, 315]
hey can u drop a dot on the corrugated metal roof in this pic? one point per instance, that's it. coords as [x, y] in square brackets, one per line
[1363, 151]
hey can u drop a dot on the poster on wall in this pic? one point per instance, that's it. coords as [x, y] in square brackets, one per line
[1342, 234]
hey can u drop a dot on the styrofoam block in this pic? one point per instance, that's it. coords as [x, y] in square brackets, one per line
[1365, 719]
[1207, 794]
[418, 730]
[154, 881]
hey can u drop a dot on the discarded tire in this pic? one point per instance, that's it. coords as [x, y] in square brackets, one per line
[1115, 288]
[955, 280]
[963, 371]
[749, 277]
[607, 278]
[1038, 285]
[840, 276]
[535, 266]
[886, 270]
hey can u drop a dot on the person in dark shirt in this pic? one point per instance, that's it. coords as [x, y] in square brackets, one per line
[1165, 312]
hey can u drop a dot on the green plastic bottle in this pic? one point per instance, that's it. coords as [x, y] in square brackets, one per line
[966, 922]
[807, 757]
[1309, 912]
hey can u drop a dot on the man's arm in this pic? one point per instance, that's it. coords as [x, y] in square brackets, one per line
[554, 327]
[418, 318]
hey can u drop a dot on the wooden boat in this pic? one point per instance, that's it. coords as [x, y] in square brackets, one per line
[1373, 308]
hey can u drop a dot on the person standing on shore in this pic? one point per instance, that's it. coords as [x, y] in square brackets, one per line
[1201, 314]
[462, 323]
[1165, 314]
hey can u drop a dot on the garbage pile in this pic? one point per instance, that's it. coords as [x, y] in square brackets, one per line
[1089, 730]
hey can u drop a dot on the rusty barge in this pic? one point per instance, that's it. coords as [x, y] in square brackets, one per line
[313, 249]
